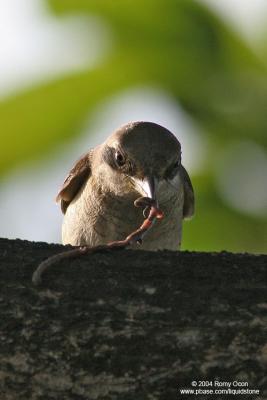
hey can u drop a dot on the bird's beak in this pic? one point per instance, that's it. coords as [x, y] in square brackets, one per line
[148, 185]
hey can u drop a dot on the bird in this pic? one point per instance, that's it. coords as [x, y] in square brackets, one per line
[140, 158]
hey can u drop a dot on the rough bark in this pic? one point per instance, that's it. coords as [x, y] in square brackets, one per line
[130, 325]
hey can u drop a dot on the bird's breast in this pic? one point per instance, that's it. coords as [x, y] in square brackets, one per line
[96, 217]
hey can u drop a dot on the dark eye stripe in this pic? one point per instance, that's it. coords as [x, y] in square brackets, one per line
[120, 160]
[177, 164]
[172, 169]
[109, 157]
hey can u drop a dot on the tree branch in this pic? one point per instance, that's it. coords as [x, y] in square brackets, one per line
[129, 324]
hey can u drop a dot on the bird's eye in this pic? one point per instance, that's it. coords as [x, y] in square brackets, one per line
[120, 160]
[173, 169]
[176, 164]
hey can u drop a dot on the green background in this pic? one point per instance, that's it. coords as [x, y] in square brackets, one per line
[182, 48]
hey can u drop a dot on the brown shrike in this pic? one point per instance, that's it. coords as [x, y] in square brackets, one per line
[138, 159]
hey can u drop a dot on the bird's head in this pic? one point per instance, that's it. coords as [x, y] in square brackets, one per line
[141, 155]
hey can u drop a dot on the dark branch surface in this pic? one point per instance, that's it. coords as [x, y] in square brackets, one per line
[130, 325]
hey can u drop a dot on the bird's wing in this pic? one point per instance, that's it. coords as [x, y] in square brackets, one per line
[77, 176]
[189, 198]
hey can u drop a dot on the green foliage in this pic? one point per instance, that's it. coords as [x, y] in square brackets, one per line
[181, 47]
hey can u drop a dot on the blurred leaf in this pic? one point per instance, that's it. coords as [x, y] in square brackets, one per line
[178, 45]
[217, 227]
[40, 119]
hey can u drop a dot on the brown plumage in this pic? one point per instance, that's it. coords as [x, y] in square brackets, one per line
[139, 159]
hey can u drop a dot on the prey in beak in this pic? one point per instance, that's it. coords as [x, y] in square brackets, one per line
[148, 187]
